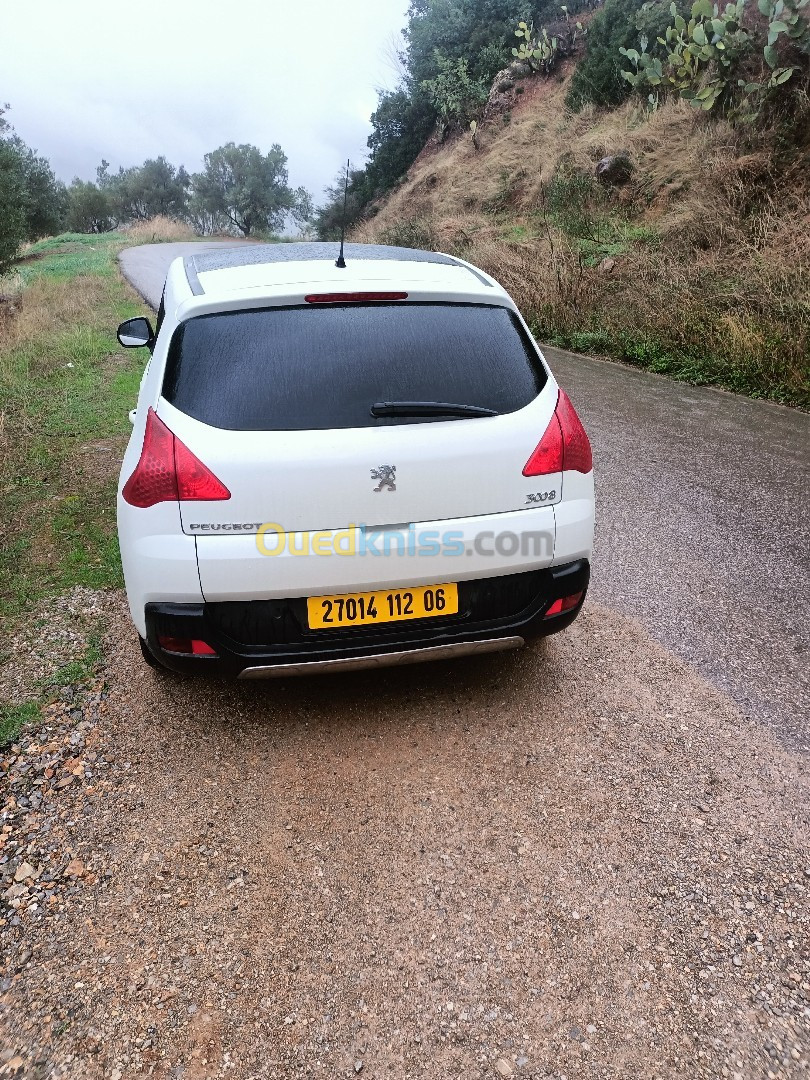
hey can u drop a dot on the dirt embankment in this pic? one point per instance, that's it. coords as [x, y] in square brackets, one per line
[696, 262]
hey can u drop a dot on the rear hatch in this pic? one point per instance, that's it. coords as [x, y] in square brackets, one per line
[313, 415]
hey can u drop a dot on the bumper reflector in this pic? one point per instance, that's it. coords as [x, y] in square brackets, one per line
[564, 604]
[186, 646]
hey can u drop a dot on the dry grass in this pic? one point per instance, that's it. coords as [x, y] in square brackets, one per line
[9, 309]
[159, 230]
[65, 389]
[716, 270]
[42, 312]
[49, 306]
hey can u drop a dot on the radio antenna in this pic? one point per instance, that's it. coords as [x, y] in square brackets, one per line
[341, 262]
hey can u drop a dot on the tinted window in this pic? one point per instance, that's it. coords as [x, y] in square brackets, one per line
[299, 368]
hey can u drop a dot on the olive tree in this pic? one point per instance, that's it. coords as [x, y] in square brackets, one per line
[248, 190]
[12, 206]
[32, 200]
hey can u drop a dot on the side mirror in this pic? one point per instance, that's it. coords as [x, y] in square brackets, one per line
[135, 333]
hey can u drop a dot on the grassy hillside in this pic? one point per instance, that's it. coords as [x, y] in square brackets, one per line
[697, 266]
[66, 387]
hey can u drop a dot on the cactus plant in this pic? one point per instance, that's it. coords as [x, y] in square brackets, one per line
[703, 55]
[539, 52]
[699, 54]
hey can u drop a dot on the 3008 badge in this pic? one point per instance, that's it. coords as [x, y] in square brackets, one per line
[540, 497]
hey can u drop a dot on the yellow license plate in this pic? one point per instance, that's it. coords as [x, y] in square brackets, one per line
[383, 606]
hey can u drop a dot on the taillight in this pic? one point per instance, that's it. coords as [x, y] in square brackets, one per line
[186, 646]
[548, 455]
[564, 446]
[577, 456]
[155, 477]
[168, 471]
[566, 603]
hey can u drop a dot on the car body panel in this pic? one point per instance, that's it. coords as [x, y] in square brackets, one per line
[235, 566]
[158, 559]
[311, 480]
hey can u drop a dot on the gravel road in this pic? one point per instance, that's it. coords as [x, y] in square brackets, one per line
[577, 861]
[586, 859]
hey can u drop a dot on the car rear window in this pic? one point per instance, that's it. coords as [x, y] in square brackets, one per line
[321, 367]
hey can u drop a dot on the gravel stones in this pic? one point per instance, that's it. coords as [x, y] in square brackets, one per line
[384, 869]
[53, 635]
[38, 827]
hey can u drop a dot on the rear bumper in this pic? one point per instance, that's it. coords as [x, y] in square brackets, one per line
[391, 659]
[270, 638]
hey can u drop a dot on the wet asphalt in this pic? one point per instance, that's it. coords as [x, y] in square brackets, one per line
[703, 522]
[145, 267]
[703, 528]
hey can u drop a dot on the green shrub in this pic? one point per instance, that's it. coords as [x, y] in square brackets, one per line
[574, 200]
[598, 77]
[489, 61]
[455, 95]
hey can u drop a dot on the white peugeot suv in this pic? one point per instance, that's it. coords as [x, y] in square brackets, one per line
[346, 464]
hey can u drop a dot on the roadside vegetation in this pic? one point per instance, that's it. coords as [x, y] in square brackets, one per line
[66, 388]
[693, 267]
[635, 174]
[240, 191]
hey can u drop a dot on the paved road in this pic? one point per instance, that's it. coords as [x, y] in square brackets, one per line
[702, 524]
[145, 266]
[703, 530]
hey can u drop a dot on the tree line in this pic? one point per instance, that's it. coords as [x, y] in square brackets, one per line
[737, 58]
[240, 190]
[451, 52]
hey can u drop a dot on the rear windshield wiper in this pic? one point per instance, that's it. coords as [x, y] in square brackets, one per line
[428, 408]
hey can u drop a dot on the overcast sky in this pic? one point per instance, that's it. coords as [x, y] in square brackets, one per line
[93, 79]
